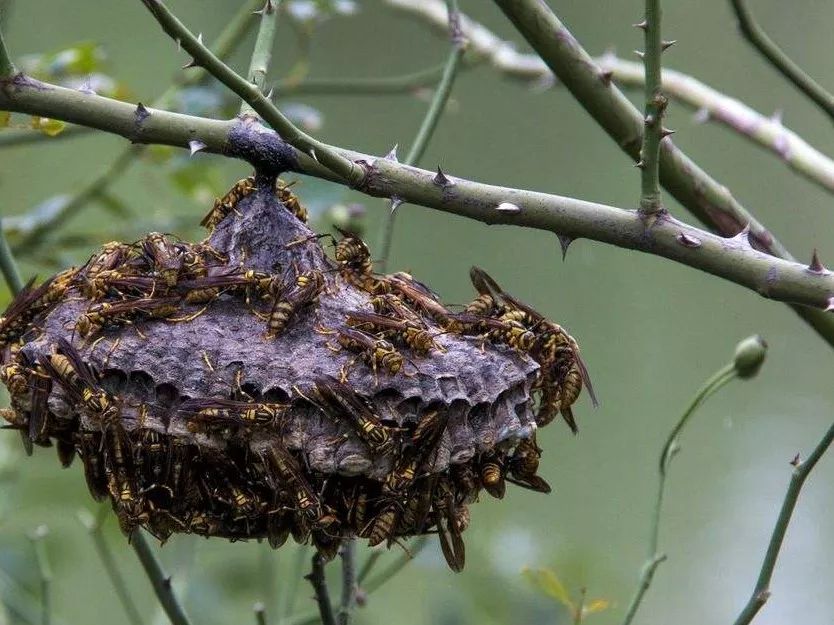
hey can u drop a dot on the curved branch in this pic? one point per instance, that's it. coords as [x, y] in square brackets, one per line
[390, 85]
[768, 48]
[262, 53]
[733, 258]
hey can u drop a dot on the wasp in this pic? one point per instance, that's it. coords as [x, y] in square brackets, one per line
[467, 481]
[450, 523]
[244, 502]
[282, 189]
[414, 335]
[152, 455]
[16, 378]
[339, 401]
[105, 313]
[204, 289]
[424, 299]
[223, 206]
[377, 353]
[112, 256]
[355, 264]
[415, 514]
[307, 287]
[492, 474]
[41, 384]
[523, 465]
[225, 411]
[164, 257]
[89, 444]
[112, 282]
[22, 309]
[391, 305]
[199, 259]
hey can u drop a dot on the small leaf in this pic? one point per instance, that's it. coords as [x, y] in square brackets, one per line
[5, 118]
[51, 127]
[597, 605]
[552, 586]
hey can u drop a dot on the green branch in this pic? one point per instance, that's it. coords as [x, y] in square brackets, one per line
[392, 85]
[44, 572]
[8, 266]
[731, 258]
[655, 107]
[319, 583]
[760, 40]
[748, 359]
[262, 53]
[430, 121]
[93, 525]
[159, 580]
[801, 471]
[7, 68]
[330, 158]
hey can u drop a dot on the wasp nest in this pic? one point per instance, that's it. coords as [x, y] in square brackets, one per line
[251, 386]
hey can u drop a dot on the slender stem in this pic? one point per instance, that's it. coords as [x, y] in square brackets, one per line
[761, 592]
[262, 53]
[260, 613]
[430, 120]
[392, 85]
[93, 525]
[159, 580]
[8, 266]
[768, 48]
[7, 68]
[290, 593]
[649, 162]
[226, 43]
[330, 158]
[654, 558]
[368, 566]
[395, 567]
[767, 132]
[319, 583]
[44, 571]
[348, 599]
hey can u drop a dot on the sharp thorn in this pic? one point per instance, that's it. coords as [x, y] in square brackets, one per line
[640, 54]
[640, 164]
[392, 154]
[665, 45]
[508, 207]
[830, 305]
[641, 25]
[816, 266]
[665, 132]
[743, 235]
[606, 76]
[564, 243]
[200, 38]
[396, 202]
[688, 241]
[190, 64]
[441, 180]
[195, 146]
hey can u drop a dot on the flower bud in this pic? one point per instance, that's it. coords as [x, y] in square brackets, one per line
[749, 356]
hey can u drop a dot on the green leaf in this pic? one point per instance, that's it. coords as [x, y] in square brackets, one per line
[547, 581]
[51, 127]
[5, 118]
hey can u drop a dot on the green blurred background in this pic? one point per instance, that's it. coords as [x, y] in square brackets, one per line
[650, 331]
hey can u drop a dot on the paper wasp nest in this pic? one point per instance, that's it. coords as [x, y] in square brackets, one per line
[253, 386]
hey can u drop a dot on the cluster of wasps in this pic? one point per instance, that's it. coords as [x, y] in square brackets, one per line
[183, 459]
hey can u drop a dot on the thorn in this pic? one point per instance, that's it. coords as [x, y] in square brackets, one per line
[313, 154]
[508, 207]
[816, 266]
[268, 8]
[641, 25]
[441, 180]
[640, 54]
[396, 202]
[392, 154]
[564, 243]
[200, 38]
[190, 64]
[830, 305]
[701, 116]
[269, 95]
[141, 113]
[649, 120]
[665, 132]
[795, 461]
[606, 76]
[743, 235]
[665, 45]
[641, 164]
[776, 118]
[688, 241]
[195, 146]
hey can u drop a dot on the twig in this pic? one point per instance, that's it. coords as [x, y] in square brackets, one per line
[319, 583]
[747, 360]
[8, 266]
[330, 158]
[159, 580]
[649, 162]
[767, 132]
[761, 592]
[7, 68]
[93, 525]
[262, 53]
[290, 589]
[348, 599]
[392, 85]
[14, 138]
[396, 566]
[731, 258]
[768, 48]
[429, 125]
[44, 571]
[226, 43]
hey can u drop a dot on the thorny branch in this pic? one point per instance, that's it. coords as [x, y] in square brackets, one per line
[159, 580]
[348, 598]
[767, 132]
[319, 583]
[655, 107]
[262, 53]
[756, 35]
